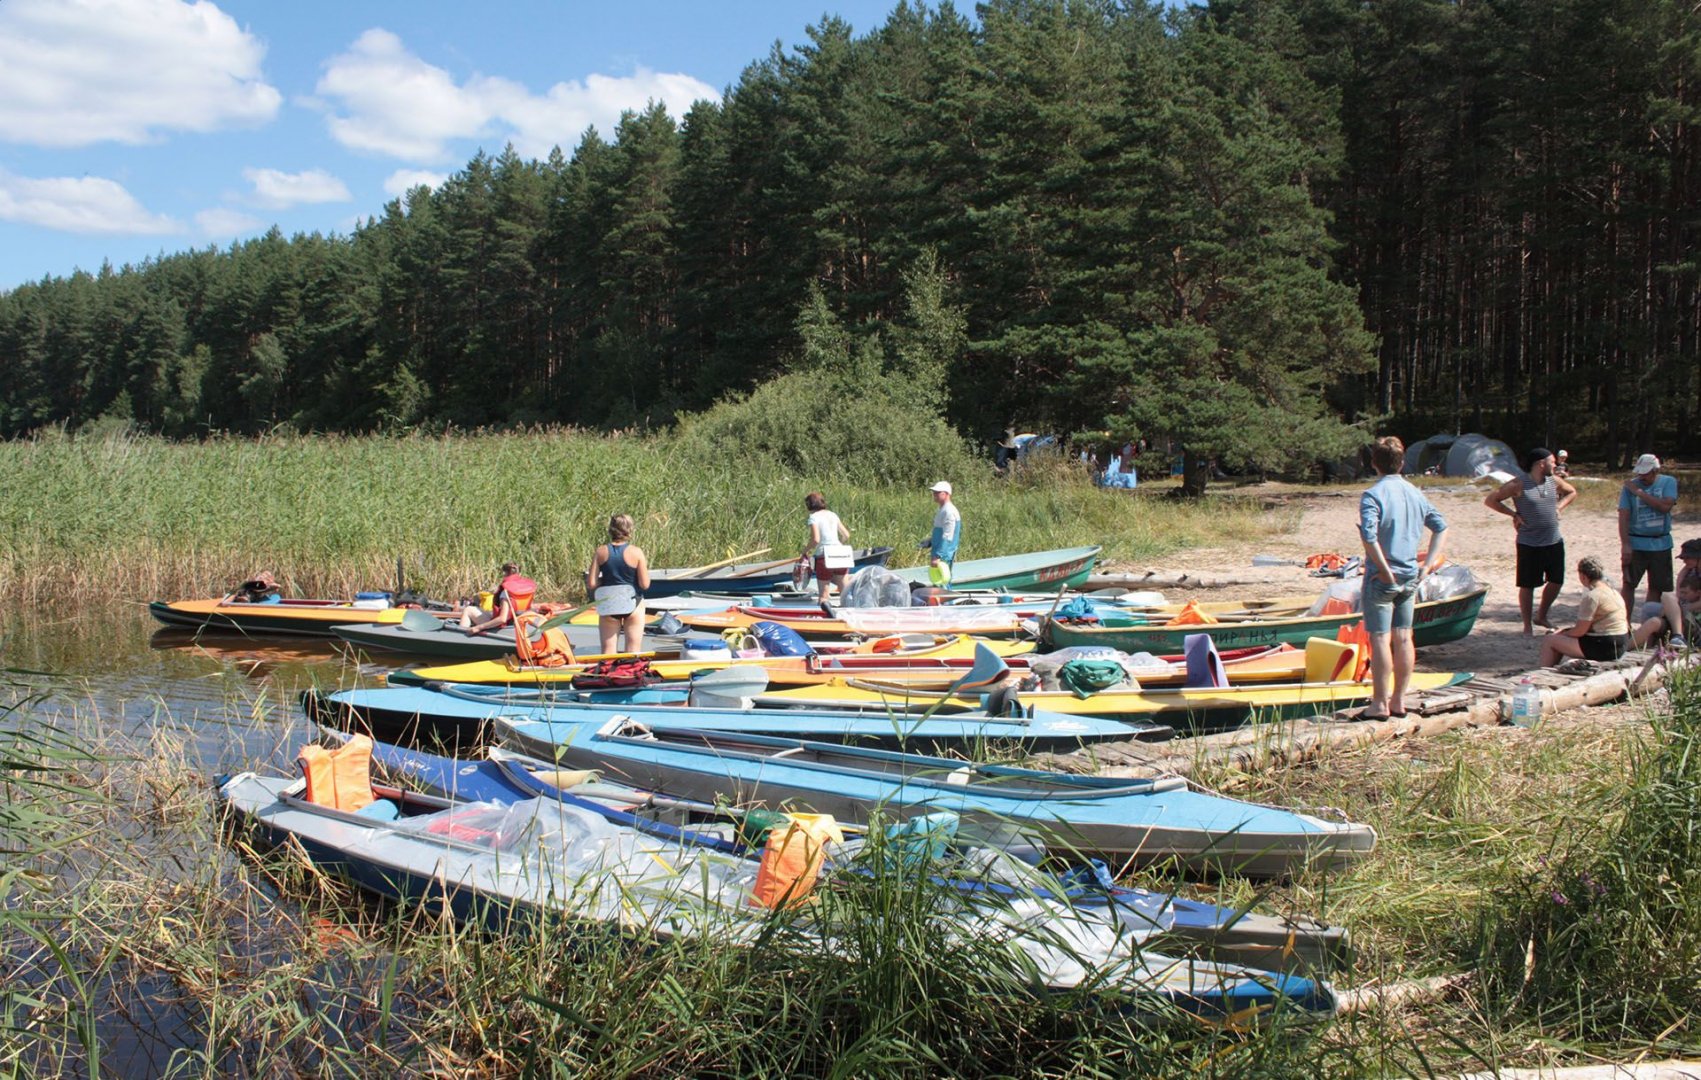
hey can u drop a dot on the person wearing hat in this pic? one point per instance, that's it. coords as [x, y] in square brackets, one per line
[1680, 610]
[1562, 464]
[1537, 499]
[1005, 453]
[1644, 529]
[947, 535]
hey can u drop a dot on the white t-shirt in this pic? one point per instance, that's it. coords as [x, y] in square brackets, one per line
[827, 526]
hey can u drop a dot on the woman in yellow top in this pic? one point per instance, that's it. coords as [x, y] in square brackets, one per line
[1603, 629]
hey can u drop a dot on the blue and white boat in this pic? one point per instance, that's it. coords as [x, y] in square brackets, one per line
[545, 858]
[1139, 821]
[464, 716]
[1245, 937]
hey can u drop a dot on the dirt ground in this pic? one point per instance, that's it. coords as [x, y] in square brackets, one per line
[1476, 537]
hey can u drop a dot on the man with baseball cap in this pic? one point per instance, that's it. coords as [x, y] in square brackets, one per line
[947, 535]
[1644, 529]
[1679, 612]
[1537, 499]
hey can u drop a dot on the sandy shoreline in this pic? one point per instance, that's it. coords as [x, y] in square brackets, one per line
[1477, 538]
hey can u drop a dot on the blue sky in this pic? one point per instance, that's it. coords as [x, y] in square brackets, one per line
[131, 127]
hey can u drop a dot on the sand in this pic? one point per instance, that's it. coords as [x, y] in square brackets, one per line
[1476, 537]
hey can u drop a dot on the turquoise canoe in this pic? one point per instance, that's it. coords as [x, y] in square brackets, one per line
[1037, 569]
[1434, 623]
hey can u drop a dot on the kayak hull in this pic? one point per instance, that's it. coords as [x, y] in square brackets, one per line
[1434, 623]
[296, 618]
[1059, 568]
[742, 580]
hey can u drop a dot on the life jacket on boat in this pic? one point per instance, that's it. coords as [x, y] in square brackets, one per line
[616, 674]
[1191, 614]
[342, 778]
[551, 649]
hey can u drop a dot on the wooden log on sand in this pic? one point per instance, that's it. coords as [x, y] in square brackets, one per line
[1646, 1070]
[1263, 746]
[1397, 995]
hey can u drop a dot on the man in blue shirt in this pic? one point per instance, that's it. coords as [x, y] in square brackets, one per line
[947, 535]
[1391, 518]
[1644, 530]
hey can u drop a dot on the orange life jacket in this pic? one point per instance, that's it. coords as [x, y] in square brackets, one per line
[552, 649]
[1191, 614]
[792, 859]
[519, 591]
[342, 778]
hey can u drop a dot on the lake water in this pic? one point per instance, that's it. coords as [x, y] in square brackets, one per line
[110, 673]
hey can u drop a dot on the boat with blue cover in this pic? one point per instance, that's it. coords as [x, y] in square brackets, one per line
[1123, 820]
[513, 866]
[1246, 937]
[468, 716]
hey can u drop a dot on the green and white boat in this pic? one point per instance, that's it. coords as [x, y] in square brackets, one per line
[1060, 567]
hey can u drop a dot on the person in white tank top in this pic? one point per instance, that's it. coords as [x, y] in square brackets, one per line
[828, 540]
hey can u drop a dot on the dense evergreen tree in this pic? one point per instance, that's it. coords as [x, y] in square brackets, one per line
[1257, 228]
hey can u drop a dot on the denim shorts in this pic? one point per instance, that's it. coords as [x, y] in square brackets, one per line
[1388, 607]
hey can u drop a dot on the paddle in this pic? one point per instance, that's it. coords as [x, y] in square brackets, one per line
[747, 571]
[735, 681]
[988, 667]
[695, 570]
[421, 622]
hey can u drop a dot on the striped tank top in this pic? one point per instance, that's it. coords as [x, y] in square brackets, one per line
[1538, 505]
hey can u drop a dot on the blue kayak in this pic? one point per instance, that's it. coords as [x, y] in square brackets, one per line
[1142, 821]
[463, 716]
[505, 778]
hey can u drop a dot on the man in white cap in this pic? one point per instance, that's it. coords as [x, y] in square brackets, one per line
[947, 535]
[1562, 466]
[1644, 529]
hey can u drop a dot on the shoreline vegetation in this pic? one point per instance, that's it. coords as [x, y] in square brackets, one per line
[1548, 874]
[141, 518]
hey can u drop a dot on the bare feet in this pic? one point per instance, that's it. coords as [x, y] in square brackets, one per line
[1541, 621]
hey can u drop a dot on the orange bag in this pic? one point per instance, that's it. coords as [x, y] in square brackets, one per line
[1191, 614]
[1355, 634]
[792, 859]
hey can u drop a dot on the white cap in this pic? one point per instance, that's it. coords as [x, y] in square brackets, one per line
[1565, 453]
[943, 485]
[1646, 464]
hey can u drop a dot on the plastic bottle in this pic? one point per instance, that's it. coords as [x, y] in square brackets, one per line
[1526, 704]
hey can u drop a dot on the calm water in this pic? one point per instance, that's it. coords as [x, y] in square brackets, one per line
[229, 702]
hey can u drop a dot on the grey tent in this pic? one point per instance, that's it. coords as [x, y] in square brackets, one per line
[1469, 456]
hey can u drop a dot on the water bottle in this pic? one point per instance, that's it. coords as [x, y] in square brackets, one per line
[1526, 704]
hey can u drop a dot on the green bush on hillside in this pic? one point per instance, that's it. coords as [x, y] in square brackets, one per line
[832, 430]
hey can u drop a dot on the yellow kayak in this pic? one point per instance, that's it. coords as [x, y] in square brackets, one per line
[511, 672]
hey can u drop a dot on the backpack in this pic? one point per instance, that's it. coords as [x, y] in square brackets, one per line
[616, 674]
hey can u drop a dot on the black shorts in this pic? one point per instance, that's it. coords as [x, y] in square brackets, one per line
[1655, 564]
[1538, 566]
[1603, 646]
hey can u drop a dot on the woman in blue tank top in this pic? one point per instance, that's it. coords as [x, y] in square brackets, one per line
[620, 573]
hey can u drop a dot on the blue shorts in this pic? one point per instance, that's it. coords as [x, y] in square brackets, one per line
[1388, 607]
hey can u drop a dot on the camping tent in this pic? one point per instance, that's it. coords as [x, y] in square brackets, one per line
[1469, 456]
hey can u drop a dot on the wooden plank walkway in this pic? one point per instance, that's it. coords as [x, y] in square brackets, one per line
[1482, 701]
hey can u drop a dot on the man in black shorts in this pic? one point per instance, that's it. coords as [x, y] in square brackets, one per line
[1537, 499]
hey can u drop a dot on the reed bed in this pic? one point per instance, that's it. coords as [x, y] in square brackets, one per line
[141, 518]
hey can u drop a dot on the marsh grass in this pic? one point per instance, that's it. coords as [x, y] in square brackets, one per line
[142, 518]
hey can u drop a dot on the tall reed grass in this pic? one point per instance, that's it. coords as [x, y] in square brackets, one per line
[142, 518]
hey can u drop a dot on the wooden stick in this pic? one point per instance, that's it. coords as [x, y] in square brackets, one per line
[758, 569]
[1400, 994]
[695, 570]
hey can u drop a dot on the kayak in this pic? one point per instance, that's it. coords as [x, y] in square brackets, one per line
[301, 618]
[984, 620]
[503, 777]
[471, 716]
[511, 672]
[499, 865]
[1059, 568]
[1134, 821]
[449, 642]
[1201, 709]
[1273, 622]
[745, 578]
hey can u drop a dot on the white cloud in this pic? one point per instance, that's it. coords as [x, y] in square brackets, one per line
[75, 72]
[220, 223]
[280, 189]
[79, 204]
[388, 101]
[402, 181]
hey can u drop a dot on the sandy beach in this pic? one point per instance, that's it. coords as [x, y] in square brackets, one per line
[1477, 538]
